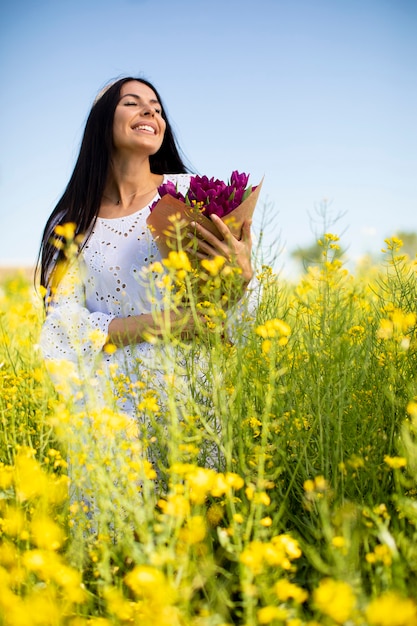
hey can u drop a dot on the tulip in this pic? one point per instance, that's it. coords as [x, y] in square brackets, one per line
[211, 195]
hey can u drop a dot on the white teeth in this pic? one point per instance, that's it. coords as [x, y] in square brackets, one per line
[149, 129]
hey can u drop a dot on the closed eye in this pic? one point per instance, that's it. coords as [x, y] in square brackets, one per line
[134, 104]
[136, 100]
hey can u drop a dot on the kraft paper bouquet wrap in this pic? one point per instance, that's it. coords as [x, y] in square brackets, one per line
[170, 217]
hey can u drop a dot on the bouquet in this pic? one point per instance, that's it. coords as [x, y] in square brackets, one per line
[170, 217]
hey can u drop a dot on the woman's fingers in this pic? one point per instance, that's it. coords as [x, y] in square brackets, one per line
[237, 251]
[246, 234]
[209, 243]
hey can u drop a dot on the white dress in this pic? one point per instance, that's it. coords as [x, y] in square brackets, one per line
[107, 281]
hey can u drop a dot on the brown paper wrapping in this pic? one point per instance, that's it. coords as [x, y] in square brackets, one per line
[169, 221]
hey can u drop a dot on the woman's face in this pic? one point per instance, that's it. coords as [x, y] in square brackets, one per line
[138, 124]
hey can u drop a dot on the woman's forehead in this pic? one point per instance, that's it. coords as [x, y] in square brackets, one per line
[137, 88]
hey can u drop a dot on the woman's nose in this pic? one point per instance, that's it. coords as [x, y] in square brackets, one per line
[148, 111]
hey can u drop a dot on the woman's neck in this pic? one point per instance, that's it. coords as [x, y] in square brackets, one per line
[129, 185]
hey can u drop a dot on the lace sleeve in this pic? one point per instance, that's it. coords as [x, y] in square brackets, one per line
[70, 331]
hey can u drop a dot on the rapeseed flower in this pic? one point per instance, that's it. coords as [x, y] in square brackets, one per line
[381, 554]
[178, 261]
[151, 584]
[194, 531]
[391, 609]
[213, 266]
[46, 534]
[175, 505]
[268, 614]
[395, 462]
[335, 598]
[279, 552]
[286, 590]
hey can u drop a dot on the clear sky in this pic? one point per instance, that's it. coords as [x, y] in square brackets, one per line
[318, 96]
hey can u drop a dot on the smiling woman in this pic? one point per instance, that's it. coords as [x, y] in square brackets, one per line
[138, 130]
[98, 289]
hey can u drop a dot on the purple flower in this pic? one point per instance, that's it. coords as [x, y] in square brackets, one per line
[170, 189]
[210, 195]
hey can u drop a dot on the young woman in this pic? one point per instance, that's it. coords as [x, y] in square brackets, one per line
[128, 150]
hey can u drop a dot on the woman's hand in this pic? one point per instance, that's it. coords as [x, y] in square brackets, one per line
[236, 251]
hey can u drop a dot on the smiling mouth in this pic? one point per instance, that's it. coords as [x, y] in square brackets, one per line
[145, 128]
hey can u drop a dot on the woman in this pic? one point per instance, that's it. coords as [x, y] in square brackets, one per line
[127, 151]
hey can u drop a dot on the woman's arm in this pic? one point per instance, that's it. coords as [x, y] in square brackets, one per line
[124, 331]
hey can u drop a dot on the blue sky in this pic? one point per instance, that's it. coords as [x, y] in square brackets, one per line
[318, 96]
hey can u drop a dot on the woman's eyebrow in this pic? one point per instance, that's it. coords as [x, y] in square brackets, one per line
[134, 95]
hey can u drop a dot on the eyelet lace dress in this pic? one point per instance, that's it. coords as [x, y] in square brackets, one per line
[106, 281]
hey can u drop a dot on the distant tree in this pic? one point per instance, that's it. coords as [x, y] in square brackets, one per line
[322, 221]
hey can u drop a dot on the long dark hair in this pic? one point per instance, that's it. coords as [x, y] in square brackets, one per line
[81, 199]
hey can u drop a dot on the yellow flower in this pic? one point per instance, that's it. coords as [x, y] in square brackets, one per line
[318, 485]
[329, 237]
[14, 521]
[149, 583]
[290, 545]
[262, 498]
[395, 462]
[97, 338]
[249, 491]
[31, 480]
[268, 614]
[391, 609]
[71, 581]
[279, 552]
[8, 553]
[273, 328]
[194, 531]
[338, 542]
[67, 231]
[200, 482]
[385, 330]
[382, 554]
[266, 346]
[118, 605]
[394, 243]
[215, 515]
[177, 261]
[286, 591]
[412, 409]
[149, 403]
[213, 266]
[234, 480]
[309, 486]
[6, 476]
[44, 563]
[46, 534]
[156, 267]
[224, 483]
[253, 556]
[110, 348]
[335, 599]
[176, 505]
[396, 325]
